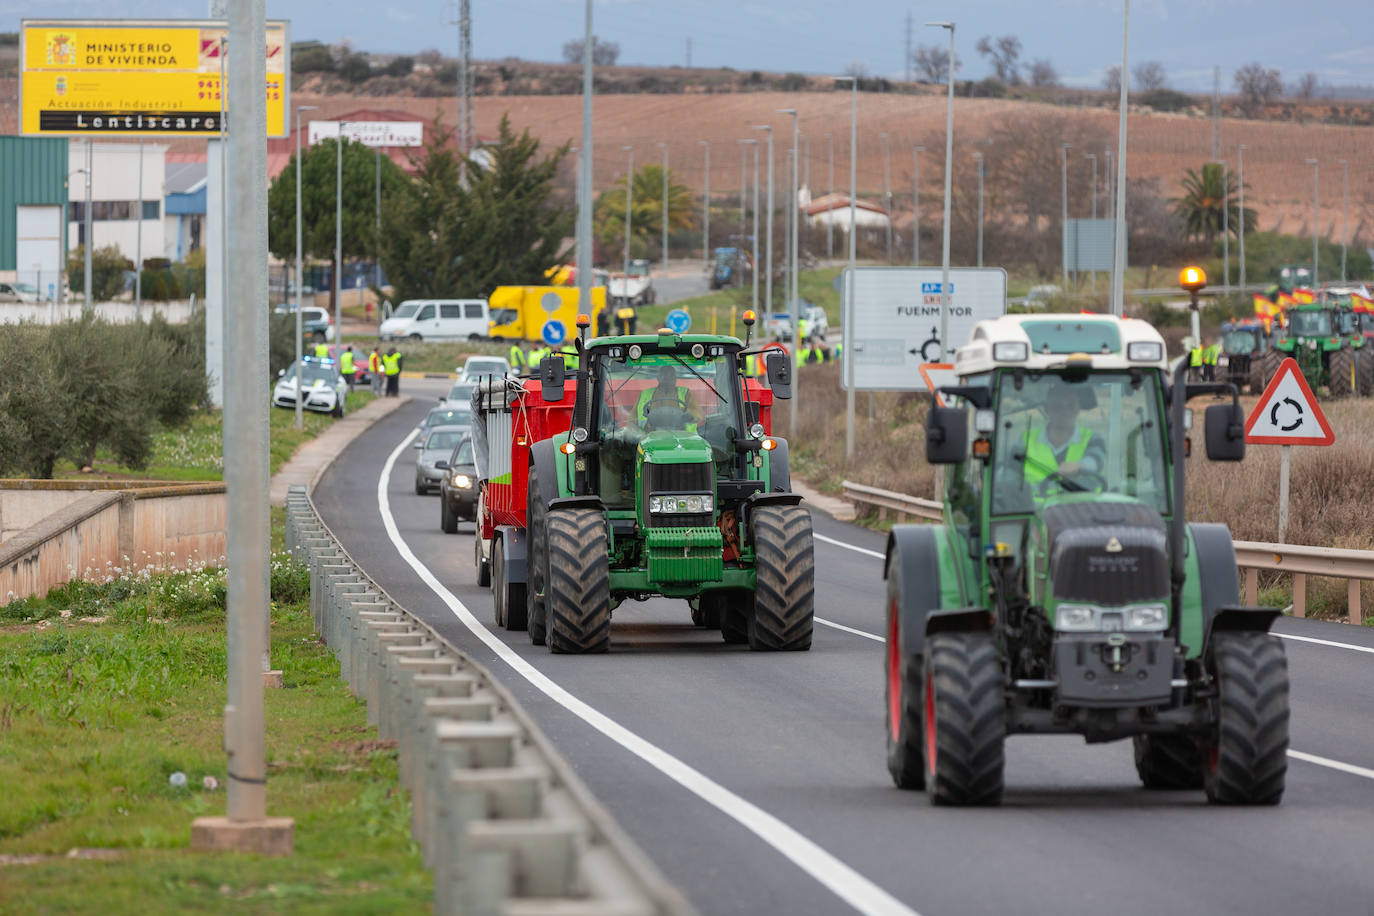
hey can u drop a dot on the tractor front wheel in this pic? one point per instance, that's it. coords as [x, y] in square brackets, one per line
[1168, 761]
[905, 734]
[784, 580]
[578, 594]
[965, 719]
[1341, 379]
[1247, 757]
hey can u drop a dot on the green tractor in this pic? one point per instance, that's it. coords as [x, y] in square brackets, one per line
[667, 484]
[1244, 344]
[1328, 347]
[1064, 592]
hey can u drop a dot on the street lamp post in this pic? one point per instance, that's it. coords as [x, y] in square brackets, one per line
[86, 303]
[1093, 273]
[1225, 230]
[706, 208]
[979, 158]
[1064, 203]
[584, 174]
[916, 205]
[794, 301]
[743, 186]
[847, 326]
[1240, 157]
[830, 223]
[629, 198]
[338, 237]
[754, 238]
[949, 165]
[1316, 167]
[138, 244]
[768, 230]
[300, 331]
[664, 147]
[887, 192]
[1345, 204]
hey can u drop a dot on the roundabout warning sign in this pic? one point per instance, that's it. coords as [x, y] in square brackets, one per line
[1288, 413]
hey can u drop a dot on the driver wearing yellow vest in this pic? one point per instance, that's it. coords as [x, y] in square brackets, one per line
[1061, 446]
[667, 393]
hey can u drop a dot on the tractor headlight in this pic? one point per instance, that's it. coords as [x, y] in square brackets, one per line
[655, 504]
[579, 434]
[693, 503]
[1075, 617]
[757, 431]
[1154, 617]
[1010, 351]
[1145, 351]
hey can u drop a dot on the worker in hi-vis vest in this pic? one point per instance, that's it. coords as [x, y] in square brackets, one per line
[1061, 447]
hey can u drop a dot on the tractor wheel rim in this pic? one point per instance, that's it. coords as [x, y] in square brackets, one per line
[894, 675]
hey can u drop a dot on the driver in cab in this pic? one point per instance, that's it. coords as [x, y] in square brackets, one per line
[667, 393]
[1061, 447]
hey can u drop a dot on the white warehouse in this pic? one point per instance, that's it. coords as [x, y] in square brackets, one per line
[115, 205]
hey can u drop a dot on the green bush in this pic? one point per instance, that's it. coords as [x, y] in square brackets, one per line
[355, 68]
[400, 66]
[107, 271]
[311, 57]
[1166, 100]
[1265, 252]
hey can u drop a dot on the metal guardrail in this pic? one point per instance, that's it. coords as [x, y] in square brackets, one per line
[1252, 557]
[502, 821]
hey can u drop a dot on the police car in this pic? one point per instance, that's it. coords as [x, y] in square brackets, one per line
[324, 388]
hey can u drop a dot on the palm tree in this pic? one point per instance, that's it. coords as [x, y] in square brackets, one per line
[646, 222]
[1204, 201]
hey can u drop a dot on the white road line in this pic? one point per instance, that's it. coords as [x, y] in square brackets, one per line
[1319, 642]
[1332, 764]
[1325, 642]
[843, 881]
[863, 550]
[840, 626]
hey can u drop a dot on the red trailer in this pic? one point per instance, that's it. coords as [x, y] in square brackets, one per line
[509, 416]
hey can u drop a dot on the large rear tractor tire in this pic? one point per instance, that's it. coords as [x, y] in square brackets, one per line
[578, 595]
[1269, 367]
[1364, 371]
[1247, 758]
[965, 719]
[785, 580]
[537, 565]
[1342, 375]
[1168, 761]
[905, 734]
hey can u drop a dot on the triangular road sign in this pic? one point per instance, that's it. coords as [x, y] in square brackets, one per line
[1288, 413]
[936, 375]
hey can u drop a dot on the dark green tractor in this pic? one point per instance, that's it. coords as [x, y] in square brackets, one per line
[667, 484]
[1328, 347]
[1064, 592]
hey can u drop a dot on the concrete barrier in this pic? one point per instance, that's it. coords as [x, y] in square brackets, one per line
[52, 531]
[501, 819]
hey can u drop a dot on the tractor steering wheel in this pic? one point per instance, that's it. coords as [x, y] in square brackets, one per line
[1078, 482]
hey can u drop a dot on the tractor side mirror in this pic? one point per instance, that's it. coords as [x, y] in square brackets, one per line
[551, 378]
[1225, 433]
[946, 435]
[751, 412]
[779, 374]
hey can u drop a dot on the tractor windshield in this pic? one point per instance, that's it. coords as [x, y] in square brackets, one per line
[1309, 323]
[1102, 434]
[666, 391]
[1239, 343]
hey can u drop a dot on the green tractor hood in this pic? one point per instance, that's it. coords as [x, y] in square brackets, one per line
[674, 446]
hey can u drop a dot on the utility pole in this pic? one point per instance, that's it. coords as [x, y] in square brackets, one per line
[1118, 300]
[743, 187]
[1064, 226]
[768, 245]
[907, 57]
[949, 165]
[887, 192]
[629, 199]
[847, 321]
[1240, 157]
[664, 147]
[138, 257]
[1345, 205]
[706, 203]
[794, 305]
[300, 269]
[584, 177]
[338, 233]
[1315, 218]
[1093, 273]
[979, 158]
[916, 205]
[1216, 111]
[754, 238]
[1225, 229]
[464, 78]
[88, 304]
[1111, 208]
[829, 222]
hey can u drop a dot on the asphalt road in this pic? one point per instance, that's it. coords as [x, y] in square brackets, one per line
[757, 782]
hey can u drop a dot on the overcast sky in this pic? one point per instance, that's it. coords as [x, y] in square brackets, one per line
[1080, 37]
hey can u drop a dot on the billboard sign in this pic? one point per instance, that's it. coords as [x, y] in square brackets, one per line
[370, 133]
[897, 314]
[126, 78]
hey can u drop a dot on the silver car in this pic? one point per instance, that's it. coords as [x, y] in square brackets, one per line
[437, 446]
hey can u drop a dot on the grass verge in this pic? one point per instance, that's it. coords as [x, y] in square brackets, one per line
[107, 689]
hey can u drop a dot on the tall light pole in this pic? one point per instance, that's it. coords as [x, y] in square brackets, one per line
[300, 269]
[1240, 159]
[743, 187]
[847, 325]
[138, 257]
[1345, 205]
[1315, 217]
[768, 230]
[830, 223]
[978, 157]
[706, 208]
[916, 205]
[1064, 203]
[1225, 230]
[1118, 296]
[377, 243]
[338, 237]
[1093, 273]
[86, 303]
[794, 303]
[754, 238]
[949, 164]
[584, 175]
[887, 191]
[629, 198]
[1111, 208]
[664, 147]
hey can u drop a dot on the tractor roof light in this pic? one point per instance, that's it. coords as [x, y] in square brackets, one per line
[749, 316]
[584, 320]
[1192, 279]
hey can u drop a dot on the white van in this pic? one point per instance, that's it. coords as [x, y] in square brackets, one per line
[436, 319]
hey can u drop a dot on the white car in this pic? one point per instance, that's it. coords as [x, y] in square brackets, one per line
[479, 366]
[325, 389]
[460, 395]
[437, 319]
[18, 292]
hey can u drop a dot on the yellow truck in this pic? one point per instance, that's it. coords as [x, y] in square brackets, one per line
[524, 312]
